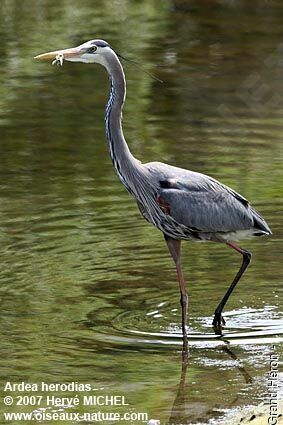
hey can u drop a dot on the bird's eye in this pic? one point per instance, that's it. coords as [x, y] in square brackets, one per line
[92, 49]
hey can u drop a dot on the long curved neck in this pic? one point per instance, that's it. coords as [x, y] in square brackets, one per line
[131, 172]
[124, 162]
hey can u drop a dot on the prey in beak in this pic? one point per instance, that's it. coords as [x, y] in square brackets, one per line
[59, 56]
[59, 59]
[93, 51]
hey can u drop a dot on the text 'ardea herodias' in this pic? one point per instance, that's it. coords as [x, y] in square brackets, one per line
[183, 204]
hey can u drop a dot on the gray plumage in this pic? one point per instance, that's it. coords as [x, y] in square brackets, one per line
[201, 208]
[184, 205]
[204, 205]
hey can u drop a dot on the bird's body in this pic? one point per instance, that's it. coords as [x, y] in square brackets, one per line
[197, 207]
[183, 204]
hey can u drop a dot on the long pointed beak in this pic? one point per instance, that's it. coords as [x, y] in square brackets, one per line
[67, 53]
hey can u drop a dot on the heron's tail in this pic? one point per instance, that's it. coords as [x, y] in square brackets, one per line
[260, 225]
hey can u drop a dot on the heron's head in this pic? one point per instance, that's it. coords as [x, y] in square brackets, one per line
[93, 51]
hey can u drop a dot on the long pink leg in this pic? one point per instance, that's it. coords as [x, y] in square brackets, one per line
[218, 319]
[174, 247]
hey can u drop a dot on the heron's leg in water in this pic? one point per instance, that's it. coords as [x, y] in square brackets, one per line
[218, 319]
[174, 247]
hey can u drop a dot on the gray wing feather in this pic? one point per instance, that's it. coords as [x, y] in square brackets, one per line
[188, 180]
[199, 201]
[207, 211]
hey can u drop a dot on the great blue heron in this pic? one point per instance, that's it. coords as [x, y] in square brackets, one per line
[183, 204]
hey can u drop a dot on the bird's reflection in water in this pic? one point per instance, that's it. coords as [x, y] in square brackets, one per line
[179, 414]
[183, 411]
[247, 377]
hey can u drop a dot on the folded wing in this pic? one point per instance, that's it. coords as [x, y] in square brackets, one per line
[207, 211]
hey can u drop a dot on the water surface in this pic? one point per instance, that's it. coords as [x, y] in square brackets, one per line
[88, 291]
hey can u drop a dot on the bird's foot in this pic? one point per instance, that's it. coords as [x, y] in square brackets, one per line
[218, 322]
